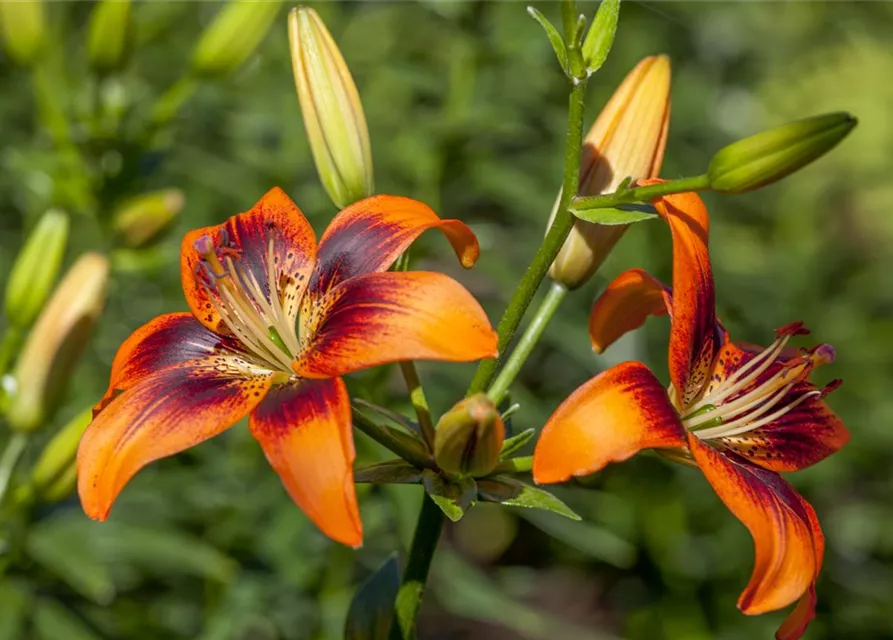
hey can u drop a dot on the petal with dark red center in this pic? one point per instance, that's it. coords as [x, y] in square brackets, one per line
[788, 544]
[305, 431]
[162, 342]
[386, 317]
[163, 414]
[369, 235]
[274, 227]
[625, 304]
[609, 419]
[693, 336]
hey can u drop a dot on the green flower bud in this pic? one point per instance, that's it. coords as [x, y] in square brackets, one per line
[55, 344]
[771, 155]
[333, 113]
[56, 463]
[35, 269]
[107, 35]
[141, 220]
[233, 36]
[24, 30]
[469, 437]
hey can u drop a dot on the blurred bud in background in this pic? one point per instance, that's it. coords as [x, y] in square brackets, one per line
[626, 140]
[108, 34]
[23, 26]
[469, 437]
[35, 269]
[57, 341]
[333, 114]
[233, 35]
[771, 155]
[143, 219]
[55, 472]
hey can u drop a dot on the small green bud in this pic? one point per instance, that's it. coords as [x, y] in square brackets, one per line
[107, 34]
[56, 342]
[35, 268]
[57, 460]
[333, 113]
[469, 437]
[24, 30]
[233, 36]
[143, 219]
[771, 155]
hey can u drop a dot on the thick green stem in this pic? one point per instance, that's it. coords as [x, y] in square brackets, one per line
[424, 543]
[545, 255]
[419, 401]
[528, 341]
[641, 194]
[14, 450]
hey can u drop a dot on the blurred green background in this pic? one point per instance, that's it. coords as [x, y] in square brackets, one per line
[466, 109]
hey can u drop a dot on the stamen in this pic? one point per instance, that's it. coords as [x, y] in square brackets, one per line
[761, 405]
[768, 419]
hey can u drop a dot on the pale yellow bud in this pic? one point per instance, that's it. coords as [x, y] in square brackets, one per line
[333, 113]
[626, 140]
[23, 27]
[141, 220]
[234, 34]
[56, 342]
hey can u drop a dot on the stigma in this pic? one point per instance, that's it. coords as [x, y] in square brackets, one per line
[759, 392]
[253, 315]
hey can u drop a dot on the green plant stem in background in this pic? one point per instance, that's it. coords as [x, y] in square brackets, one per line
[419, 401]
[528, 341]
[545, 255]
[15, 447]
[409, 597]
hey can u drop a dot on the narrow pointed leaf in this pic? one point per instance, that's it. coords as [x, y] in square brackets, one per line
[371, 611]
[454, 497]
[513, 444]
[514, 493]
[397, 418]
[389, 472]
[554, 37]
[601, 35]
[623, 214]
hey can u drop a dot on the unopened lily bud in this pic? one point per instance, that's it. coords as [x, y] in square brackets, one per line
[35, 269]
[333, 114]
[143, 219]
[24, 30]
[233, 36]
[771, 155]
[50, 476]
[107, 35]
[626, 141]
[469, 437]
[56, 342]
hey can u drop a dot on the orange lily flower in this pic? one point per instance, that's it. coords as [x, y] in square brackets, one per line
[276, 320]
[739, 413]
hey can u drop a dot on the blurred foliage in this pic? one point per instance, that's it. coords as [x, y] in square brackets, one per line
[466, 109]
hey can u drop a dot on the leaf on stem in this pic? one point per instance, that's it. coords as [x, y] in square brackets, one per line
[389, 472]
[601, 35]
[514, 493]
[454, 497]
[554, 37]
[621, 214]
[371, 611]
[397, 418]
[511, 445]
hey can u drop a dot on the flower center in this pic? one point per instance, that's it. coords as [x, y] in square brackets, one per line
[258, 320]
[742, 402]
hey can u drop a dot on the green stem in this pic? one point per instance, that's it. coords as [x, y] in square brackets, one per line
[528, 341]
[545, 255]
[14, 450]
[641, 194]
[424, 543]
[515, 465]
[419, 401]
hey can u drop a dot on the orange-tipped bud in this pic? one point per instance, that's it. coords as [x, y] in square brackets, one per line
[626, 140]
[469, 437]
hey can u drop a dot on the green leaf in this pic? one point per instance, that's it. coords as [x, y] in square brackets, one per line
[514, 493]
[554, 37]
[53, 621]
[621, 214]
[397, 418]
[589, 538]
[511, 445]
[372, 609]
[454, 497]
[601, 35]
[389, 472]
[13, 609]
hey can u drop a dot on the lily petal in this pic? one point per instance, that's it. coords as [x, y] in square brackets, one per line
[163, 414]
[369, 235]
[693, 336]
[305, 431]
[609, 419]
[387, 317]
[788, 543]
[625, 304]
[163, 342]
[247, 239]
